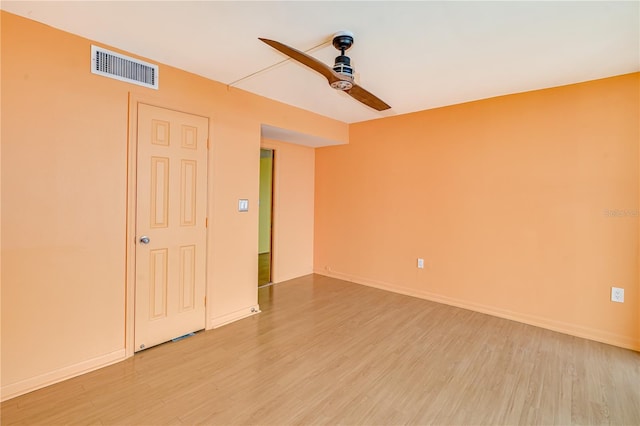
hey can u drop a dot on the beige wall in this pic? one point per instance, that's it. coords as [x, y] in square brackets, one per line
[64, 200]
[504, 198]
[293, 205]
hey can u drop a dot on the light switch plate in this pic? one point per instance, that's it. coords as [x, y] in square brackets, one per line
[243, 205]
[617, 294]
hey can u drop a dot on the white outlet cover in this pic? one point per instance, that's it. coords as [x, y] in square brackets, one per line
[420, 263]
[617, 294]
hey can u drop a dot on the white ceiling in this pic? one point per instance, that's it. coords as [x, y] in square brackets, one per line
[413, 55]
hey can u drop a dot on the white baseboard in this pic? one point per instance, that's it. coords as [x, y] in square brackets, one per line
[33, 383]
[550, 324]
[233, 316]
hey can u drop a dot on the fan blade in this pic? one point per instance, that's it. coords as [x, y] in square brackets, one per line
[305, 59]
[356, 92]
[367, 98]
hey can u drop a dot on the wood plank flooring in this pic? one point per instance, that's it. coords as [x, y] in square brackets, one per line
[325, 351]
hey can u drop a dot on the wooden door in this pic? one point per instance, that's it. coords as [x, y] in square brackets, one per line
[171, 209]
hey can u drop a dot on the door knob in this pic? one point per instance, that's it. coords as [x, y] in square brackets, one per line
[144, 240]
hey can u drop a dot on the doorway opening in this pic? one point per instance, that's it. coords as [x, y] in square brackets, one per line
[265, 227]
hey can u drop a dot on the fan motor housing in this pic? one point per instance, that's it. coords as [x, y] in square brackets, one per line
[342, 41]
[343, 66]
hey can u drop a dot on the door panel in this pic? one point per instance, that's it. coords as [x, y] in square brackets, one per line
[171, 211]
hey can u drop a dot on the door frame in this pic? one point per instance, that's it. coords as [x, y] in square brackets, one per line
[130, 242]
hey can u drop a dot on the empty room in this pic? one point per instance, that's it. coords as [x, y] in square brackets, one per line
[298, 212]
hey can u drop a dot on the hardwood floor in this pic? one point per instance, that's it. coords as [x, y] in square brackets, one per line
[325, 351]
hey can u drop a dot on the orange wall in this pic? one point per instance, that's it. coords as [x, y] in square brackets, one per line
[504, 198]
[293, 200]
[64, 181]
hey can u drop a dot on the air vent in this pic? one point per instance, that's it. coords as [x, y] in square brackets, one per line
[114, 65]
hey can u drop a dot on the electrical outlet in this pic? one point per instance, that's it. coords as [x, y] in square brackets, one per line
[617, 294]
[420, 263]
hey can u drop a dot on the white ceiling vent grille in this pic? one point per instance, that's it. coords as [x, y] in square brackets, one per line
[114, 65]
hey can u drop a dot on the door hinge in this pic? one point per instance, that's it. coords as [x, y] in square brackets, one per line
[206, 222]
[205, 301]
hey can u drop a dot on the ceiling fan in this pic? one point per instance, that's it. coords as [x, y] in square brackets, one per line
[340, 77]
